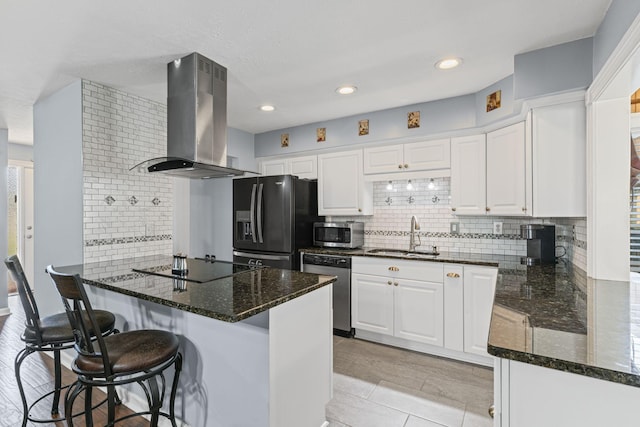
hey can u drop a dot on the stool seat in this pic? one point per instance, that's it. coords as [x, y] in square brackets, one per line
[56, 329]
[132, 351]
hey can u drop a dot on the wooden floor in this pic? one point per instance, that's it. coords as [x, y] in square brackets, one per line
[37, 378]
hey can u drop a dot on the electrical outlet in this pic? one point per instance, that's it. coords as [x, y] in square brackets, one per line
[497, 228]
[454, 227]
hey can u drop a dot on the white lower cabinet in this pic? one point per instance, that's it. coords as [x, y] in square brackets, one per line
[399, 298]
[372, 300]
[433, 307]
[418, 311]
[528, 395]
[479, 288]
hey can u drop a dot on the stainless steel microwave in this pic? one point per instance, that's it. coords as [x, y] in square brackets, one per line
[338, 234]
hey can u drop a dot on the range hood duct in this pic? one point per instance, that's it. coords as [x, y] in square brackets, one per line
[196, 121]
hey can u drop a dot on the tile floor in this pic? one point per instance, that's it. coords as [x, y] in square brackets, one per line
[381, 386]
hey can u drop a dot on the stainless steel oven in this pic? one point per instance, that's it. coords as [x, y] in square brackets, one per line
[340, 266]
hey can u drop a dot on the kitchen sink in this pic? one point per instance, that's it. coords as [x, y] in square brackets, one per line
[404, 253]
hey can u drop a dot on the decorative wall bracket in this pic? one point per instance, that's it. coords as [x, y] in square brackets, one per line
[155, 201]
[133, 200]
[109, 200]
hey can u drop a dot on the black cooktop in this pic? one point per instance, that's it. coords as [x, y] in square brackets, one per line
[200, 270]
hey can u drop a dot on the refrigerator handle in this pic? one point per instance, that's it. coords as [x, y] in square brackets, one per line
[252, 213]
[259, 217]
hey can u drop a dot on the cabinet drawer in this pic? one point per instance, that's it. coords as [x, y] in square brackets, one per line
[393, 267]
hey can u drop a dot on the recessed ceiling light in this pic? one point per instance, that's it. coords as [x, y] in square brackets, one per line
[448, 63]
[267, 107]
[346, 90]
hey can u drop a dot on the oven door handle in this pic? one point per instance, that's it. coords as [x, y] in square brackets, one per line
[252, 213]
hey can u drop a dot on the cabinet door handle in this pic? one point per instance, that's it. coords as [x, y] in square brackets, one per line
[524, 209]
[406, 166]
[453, 209]
[394, 268]
[487, 208]
[389, 282]
[359, 209]
[395, 283]
[399, 166]
[453, 275]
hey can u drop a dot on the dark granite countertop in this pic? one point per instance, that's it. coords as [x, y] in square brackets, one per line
[554, 316]
[558, 318]
[229, 299]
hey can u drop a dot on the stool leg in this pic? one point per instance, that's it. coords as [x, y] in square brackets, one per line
[69, 399]
[112, 401]
[156, 403]
[22, 354]
[174, 389]
[88, 414]
[58, 382]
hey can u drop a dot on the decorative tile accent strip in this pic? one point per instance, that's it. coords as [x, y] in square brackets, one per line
[131, 239]
[447, 235]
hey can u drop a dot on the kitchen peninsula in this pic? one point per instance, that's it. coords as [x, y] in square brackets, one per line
[566, 348]
[257, 344]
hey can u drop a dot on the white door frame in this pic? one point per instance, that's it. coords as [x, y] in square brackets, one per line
[608, 159]
[25, 216]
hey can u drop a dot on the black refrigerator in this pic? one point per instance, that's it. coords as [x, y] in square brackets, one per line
[273, 218]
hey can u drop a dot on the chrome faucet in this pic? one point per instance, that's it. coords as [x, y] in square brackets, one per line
[412, 234]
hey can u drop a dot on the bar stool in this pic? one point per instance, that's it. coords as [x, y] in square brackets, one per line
[51, 333]
[140, 356]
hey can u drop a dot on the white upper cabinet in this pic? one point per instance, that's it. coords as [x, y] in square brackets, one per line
[273, 167]
[414, 157]
[489, 173]
[468, 175]
[506, 171]
[302, 167]
[341, 186]
[559, 160]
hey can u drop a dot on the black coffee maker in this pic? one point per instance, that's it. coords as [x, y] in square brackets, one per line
[541, 244]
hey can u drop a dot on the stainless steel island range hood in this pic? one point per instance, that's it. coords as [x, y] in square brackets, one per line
[196, 121]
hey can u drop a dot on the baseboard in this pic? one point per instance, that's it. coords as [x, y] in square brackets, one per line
[425, 348]
[131, 400]
[325, 424]
[5, 311]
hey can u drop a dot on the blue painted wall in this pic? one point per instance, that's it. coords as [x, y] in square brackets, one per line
[554, 69]
[615, 24]
[545, 71]
[436, 117]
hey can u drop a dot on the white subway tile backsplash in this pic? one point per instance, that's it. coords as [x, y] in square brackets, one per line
[389, 225]
[120, 131]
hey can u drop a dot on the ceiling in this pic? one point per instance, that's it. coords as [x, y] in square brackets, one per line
[289, 53]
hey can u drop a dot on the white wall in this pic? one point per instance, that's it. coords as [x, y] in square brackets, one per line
[21, 152]
[57, 153]
[4, 147]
